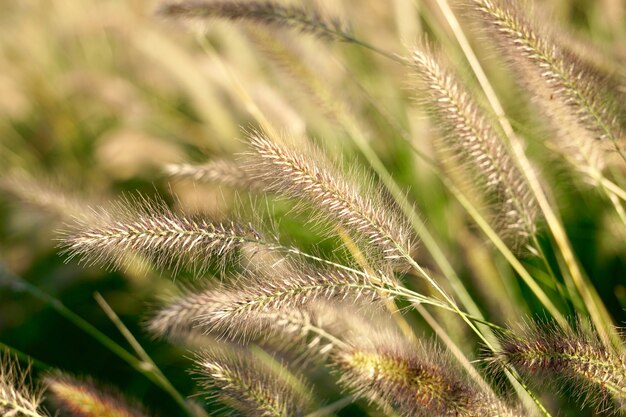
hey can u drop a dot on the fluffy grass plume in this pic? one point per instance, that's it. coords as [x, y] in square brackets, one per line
[576, 99]
[471, 137]
[219, 171]
[83, 398]
[17, 397]
[44, 196]
[413, 380]
[153, 231]
[307, 174]
[247, 306]
[269, 13]
[244, 383]
[576, 359]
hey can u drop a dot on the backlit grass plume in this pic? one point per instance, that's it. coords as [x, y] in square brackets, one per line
[307, 174]
[219, 171]
[414, 380]
[575, 359]
[244, 383]
[325, 283]
[17, 397]
[44, 196]
[581, 108]
[262, 12]
[83, 398]
[155, 232]
[471, 137]
[245, 307]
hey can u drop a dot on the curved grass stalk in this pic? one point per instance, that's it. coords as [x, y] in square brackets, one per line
[141, 353]
[510, 257]
[26, 358]
[18, 284]
[613, 188]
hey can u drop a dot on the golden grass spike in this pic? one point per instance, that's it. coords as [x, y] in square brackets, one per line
[83, 398]
[576, 359]
[414, 380]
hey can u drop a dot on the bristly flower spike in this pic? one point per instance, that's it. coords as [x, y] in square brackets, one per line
[413, 380]
[574, 358]
[219, 171]
[268, 13]
[469, 135]
[153, 231]
[580, 106]
[237, 379]
[306, 174]
[82, 398]
[242, 311]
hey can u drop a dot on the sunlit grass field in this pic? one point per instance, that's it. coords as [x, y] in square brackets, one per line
[114, 100]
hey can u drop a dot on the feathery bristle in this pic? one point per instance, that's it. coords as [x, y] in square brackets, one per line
[577, 358]
[246, 384]
[152, 230]
[268, 13]
[308, 175]
[219, 171]
[574, 97]
[17, 398]
[469, 135]
[414, 380]
[82, 398]
[240, 312]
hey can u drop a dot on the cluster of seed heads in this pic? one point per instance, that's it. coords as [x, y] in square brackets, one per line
[287, 297]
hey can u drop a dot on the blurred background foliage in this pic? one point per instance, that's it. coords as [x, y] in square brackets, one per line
[97, 95]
